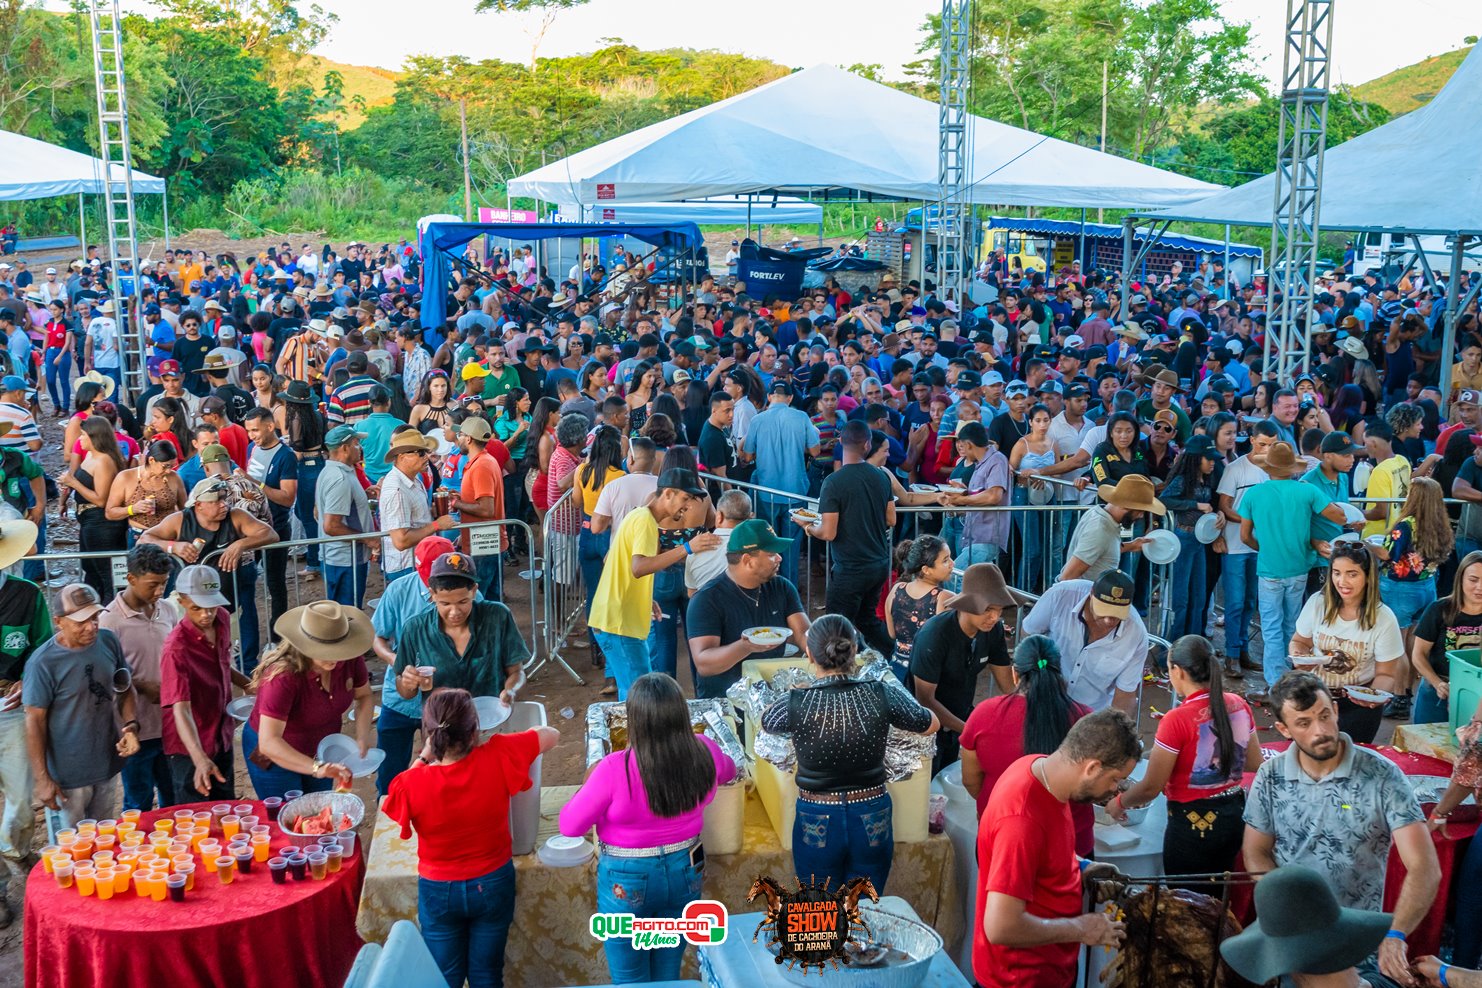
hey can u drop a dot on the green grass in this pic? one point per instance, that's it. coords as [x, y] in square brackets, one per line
[376, 86]
[1413, 86]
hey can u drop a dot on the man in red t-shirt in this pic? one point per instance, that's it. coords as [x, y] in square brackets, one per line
[1029, 924]
[481, 498]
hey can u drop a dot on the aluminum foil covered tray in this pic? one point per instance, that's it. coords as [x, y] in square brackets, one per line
[607, 729]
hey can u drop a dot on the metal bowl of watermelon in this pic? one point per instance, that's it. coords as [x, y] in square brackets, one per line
[313, 815]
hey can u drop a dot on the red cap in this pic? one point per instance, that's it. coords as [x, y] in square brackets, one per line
[169, 367]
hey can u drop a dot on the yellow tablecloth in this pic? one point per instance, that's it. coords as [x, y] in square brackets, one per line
[551, 943]
[1435, 740]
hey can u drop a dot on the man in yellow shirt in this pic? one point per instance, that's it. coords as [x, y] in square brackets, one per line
[1466, 375]
[623, 607]
[1390, 479]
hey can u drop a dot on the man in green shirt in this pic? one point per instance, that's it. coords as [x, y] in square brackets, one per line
[1276, 520]
[1162, 384]
[471, 644]
[502, 377]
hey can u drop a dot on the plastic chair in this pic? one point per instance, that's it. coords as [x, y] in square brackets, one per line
[365, 963]
[405, 961]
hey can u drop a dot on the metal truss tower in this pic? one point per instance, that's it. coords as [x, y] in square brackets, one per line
[118, 184]
[1297, 203]
[954, 154]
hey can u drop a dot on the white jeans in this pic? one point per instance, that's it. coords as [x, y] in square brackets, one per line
[97, 802]
[18, 823]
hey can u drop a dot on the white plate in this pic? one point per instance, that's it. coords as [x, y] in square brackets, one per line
[345, 750]
[1041, 495]
[1368, 695]
[241, 708]
[806, 516]
[564, 852]
[1347, 537]
[1207, 529]
[1162, 548]
[375, 714]
[750, 634]
[1351, 512]
[1308, 661]
[923, 488]
[1375, 540]
[491, 712]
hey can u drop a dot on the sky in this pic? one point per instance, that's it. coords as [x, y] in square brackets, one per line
[1371, 37]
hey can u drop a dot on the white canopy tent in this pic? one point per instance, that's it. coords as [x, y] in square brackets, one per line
[1417, 174]
[37, 170]
[717, 210]
[787, 137]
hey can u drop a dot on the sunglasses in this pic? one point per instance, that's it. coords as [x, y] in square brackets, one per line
[1163, 428]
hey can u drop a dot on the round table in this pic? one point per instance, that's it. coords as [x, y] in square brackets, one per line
[249, 933]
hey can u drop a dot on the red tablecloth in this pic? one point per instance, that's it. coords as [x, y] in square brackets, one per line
[1426, 938]
[251, 933]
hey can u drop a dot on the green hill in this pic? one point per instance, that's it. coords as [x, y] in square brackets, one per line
[376, 86]
[1411, 87]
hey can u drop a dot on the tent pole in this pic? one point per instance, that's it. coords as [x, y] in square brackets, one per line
[1081, 251]
[1453, 316]
[165, 203]
[82, 222]
[748, 216]
[1127, 228]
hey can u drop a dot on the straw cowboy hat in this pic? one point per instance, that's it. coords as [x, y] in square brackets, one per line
[983, 587]
[17, 538]
[409, 441]
[1354, 347]
[1279, 461]
[220, 358]
[1133, 492]
[1133, 330]
[322, 290]
[327, 631]
[106, 306]
[1163, 375]
[1301, 929]
[102, 380]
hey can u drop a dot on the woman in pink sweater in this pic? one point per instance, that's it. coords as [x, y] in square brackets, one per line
[648, 804]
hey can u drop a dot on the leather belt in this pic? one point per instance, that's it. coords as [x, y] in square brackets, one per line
[647, 852]
[853, 796]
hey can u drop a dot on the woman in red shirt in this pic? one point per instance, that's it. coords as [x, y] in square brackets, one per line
[1032, 720]
[57, 358]
[456, 797]
[1202, 749]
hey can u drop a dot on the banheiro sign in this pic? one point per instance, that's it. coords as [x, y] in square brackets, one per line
[488, 214]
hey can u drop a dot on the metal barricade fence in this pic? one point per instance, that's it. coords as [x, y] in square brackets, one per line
[565, 596]
[299, 589]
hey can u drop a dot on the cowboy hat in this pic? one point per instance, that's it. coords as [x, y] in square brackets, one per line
[17, 537]
[983, 587]
[1354, 347]
[1279, 461]
[327, 631]
[1301, 929]
[298, 392]
[211, 303]
[106, 306]
[1162, 375]
[559, 299]
[220, 359]
[409, 440]
[99, 378]
[322, 290]
[1134, 492]
[1133, 330]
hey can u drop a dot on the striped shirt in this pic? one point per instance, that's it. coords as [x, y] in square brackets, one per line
[350, 402]
[23, 430]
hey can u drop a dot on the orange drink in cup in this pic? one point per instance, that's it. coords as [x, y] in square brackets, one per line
[165, 824]
[230, 825]
[189, 871]
[105, 842]
[261, 847]
[126, 827]
[226, 868]
[179, 861]
[202, 818]
[104, 883]
[82, 850]
[132, 816]
[157, 888]
[107, 827]
[184, 816]
[87, 877]
[121, 872]
[141, 879]
[63, 874]
[102, 859]
[46, 855]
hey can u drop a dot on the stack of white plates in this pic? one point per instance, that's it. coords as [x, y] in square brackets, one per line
[344, 750]
[564, 852]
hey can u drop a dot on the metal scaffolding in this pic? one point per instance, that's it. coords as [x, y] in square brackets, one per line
[1297, 203]
[954, 208]
[118, 186]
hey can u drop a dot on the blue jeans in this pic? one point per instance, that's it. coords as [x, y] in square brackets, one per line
[466, 925]
[146, 774]
[591, 553]
[399, 573]
[779, 515]
[58, 364]
[395, 734]
[243, 584]
[1280, 602]
[978, 552]
[627, 658]
[309, 469]
[490, 572]
[1188, 591]
[277, 780]
[842, 841]
[952, 532]
[346, 584]
[1467, 950]
[646, 887]
[1407, 598]
[1239, 579]
[1428, 707]
[663, 634]
[1031, 525]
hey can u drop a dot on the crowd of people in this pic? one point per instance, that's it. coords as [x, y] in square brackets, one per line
[956, 459]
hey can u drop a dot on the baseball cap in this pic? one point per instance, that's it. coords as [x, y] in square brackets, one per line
[1111, 595]
[202, 584]
[340, 435]
[1469, 397]
[1341, 442]
[1016, 388]
[171, 367]
[968, 380]
[212, 405]
[756, 535]
[472, 370]
[51, 270]
[991, 378]
[78, 602]
[456, 564]
[1051, 387]
[207, 491]
[1074, 341]
[1077, 391]
[780, 388]
[1202, 446]
[151, 309]
[12, 382]
[215, 453]
[679, 479]
[476, 427]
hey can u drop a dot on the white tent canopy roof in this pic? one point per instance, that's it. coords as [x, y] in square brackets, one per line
[719, 209]
[34, 169]
[1417, 173]
[825, 128]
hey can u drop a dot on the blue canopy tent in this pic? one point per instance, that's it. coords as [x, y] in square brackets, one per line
[441, 241]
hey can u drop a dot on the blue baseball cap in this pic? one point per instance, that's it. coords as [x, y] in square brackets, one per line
[340, 435]
[151, 309]
[12, 382]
